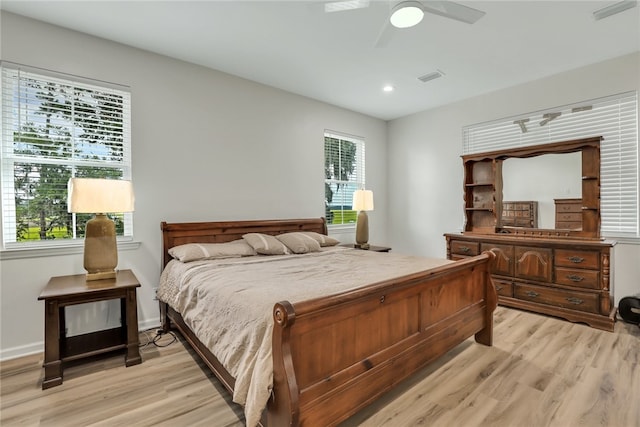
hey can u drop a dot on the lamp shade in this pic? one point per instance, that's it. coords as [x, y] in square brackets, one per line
[406, 14]
[362, 200]
[96, 195]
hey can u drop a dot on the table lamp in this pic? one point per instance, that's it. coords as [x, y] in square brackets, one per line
[362, 202]
[99, 196]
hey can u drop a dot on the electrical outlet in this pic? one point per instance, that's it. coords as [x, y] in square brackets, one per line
[155, 294]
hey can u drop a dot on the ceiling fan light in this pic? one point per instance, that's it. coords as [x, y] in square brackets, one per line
[406, 14]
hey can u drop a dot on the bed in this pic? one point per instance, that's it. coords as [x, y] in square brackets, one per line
[334, 354]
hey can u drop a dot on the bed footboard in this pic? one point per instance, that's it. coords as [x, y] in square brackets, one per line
[333, 356]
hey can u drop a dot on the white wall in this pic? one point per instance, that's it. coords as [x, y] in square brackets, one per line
[247, 151]
[425, 149]
[543, 179]
[206, 146]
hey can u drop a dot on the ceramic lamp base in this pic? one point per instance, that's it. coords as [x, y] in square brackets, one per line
[100, 248]
[362, 229]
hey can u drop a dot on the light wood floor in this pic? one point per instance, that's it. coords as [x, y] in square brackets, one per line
[541, 371]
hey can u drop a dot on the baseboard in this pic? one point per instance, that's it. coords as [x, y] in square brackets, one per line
[38, 347]
[149, 324]
[20, 351]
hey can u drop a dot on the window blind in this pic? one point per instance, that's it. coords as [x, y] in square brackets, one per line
[614, 117]
[344, 168]
[54, 128]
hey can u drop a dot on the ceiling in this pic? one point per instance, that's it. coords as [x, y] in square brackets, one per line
[332, 57]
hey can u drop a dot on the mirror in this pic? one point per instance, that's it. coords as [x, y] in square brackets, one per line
[543, 179]
[568, 171]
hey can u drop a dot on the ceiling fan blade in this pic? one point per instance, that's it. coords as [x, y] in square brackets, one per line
[386, 32]
[452, 10]
[341, 6]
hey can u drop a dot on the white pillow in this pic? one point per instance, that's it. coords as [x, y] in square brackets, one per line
[198, 251]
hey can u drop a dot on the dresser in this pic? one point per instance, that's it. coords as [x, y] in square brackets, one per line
[565, 278]
[568, 213]
[520, 214]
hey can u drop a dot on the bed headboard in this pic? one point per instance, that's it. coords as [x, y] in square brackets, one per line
[180, 233]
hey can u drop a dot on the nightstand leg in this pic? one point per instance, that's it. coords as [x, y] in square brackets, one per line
[52, 362]
[129, 307]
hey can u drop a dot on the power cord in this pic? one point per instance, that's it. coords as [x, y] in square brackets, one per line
[160, 334]
[158, 339]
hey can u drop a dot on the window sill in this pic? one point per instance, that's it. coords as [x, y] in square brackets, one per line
[625, 240]
[57, 251]
[340, 227]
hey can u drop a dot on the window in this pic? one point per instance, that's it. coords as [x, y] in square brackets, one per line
[55, 127]
[344, 174]
[614, 117]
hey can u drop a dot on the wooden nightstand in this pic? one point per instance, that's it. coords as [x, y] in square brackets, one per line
[371, 248]
[69, 290]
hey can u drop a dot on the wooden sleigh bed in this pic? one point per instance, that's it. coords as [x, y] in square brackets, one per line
[369, 339]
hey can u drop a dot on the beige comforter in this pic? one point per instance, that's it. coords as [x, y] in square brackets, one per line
[228, 303]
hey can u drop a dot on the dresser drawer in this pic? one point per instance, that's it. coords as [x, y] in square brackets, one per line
[568, 205]
[461, 247]
[533, 263]
[577, 259]
[503, 287]
[564, 225]
[508, 221]
[577, 277]
[569, 217]
[503, 263]
[574, 300]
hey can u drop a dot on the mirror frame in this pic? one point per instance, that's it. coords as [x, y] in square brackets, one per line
[590, 149]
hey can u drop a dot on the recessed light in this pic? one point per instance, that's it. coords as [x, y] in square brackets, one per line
[388, 88]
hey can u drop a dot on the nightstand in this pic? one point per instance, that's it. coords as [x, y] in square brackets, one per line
[70, 290]
[371, 248]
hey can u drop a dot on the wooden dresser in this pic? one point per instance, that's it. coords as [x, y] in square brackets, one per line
[563, 272]
[565, 278]
[568, 213]
[520, 214]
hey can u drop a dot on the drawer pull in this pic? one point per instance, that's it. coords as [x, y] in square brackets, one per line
[576, 259]
[499, 288]
[532, 294]
[576, 301]
[465, 249]
[575, 278]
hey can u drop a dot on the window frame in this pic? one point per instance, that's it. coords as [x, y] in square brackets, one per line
[12, 76]
[359, 178]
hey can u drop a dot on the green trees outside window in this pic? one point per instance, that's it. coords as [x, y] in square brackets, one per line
[54, 129]
[344, 174]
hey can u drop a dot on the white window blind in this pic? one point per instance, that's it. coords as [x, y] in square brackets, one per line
[344, 173]
[55, 127]
[614, 117]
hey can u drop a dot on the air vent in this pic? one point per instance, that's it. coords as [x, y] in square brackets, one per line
[431, 76]
[339, 6]
[614, 8]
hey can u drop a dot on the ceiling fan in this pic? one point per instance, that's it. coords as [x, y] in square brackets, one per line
[408, 13]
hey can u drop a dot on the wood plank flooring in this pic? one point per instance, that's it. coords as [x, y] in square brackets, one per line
[541, 371]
